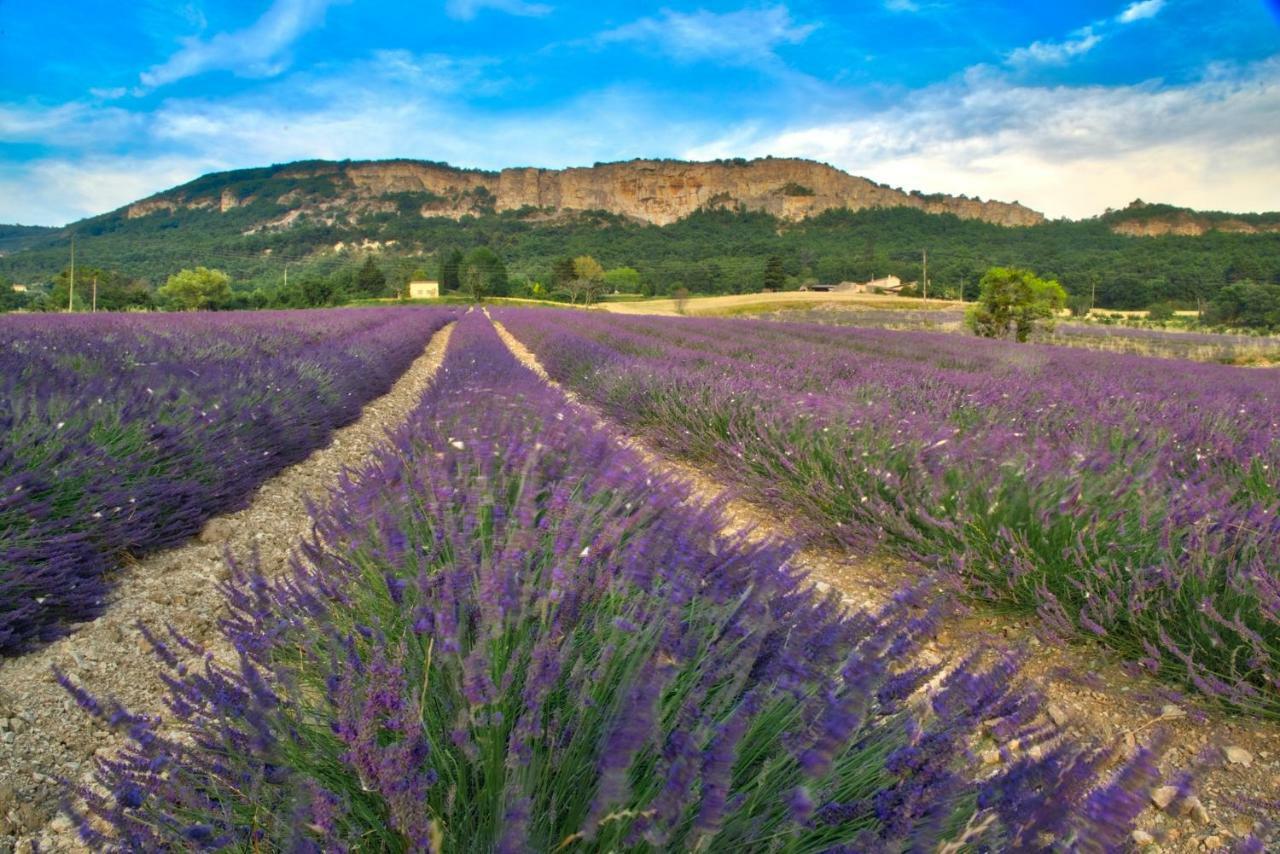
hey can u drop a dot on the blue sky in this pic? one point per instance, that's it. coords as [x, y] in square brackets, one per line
[1070, 108]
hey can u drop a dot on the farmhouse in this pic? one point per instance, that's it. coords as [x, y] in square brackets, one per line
[886, 285]
[424, 289]
[19, 289]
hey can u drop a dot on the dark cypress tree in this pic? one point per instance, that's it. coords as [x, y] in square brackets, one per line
[774, 277]
[371, 281]
[562, 271]
[451, 270]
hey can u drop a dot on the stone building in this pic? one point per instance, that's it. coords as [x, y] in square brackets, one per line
[423, 289]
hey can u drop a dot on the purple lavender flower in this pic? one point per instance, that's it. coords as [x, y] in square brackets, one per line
[577, 657]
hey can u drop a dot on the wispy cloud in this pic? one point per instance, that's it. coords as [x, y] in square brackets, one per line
[392, 104]
[902, 5]
[1208, 141]
[743, 37]
[1055, 53]
[260, 50]
[58, 190]
[465, 10]
[1069, 151]
[1140, 10]
[71, 125]
[1083, 40]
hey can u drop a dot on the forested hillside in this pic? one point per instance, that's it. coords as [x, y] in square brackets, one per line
[254, 236]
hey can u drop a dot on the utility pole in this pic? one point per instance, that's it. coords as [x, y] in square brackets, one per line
[286, 275]
[95, 293]
[71, 289]
[924, 275]
[1093, 291]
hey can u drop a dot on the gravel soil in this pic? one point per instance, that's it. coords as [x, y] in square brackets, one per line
[1088, 693]
[44, 736]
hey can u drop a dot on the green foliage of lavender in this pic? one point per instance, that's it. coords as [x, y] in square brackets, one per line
[123, 434]
[1133, 501]
[509, 635]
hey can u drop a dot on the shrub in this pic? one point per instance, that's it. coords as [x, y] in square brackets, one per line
[1014, 301]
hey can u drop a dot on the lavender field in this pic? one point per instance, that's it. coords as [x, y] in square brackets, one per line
[1228, 348]
[1128, 500]
[510, 633]
[124, 434]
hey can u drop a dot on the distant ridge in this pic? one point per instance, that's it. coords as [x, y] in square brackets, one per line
[658, 192]
[1141, 219]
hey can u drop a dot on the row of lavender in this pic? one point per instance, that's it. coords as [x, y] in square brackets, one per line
[1125, 499]
[1221, 347]
[123, 434]
[509, 635]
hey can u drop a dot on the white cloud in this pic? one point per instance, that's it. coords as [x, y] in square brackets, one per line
[256, 51]
[67, 125]
[1055, 53]
[1065, 150]
[1139, 10]
[393, 105]
[743, 37]
[1083, 40]
[902, 5]
[465, 10]
[61, 190]
[1068, 151]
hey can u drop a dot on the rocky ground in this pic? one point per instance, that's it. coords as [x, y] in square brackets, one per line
[1089, 695]
[44, 736]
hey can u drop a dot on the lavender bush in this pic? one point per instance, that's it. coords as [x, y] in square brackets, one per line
[1125, 499]
[123, 434]
[508, 635]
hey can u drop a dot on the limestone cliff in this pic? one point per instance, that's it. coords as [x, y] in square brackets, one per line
[1141, 219]
[663, 191]
[652, 191]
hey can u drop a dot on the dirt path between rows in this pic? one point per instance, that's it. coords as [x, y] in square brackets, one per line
[44, 736]
[1089, 693]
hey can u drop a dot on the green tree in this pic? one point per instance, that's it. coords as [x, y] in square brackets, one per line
[586, 267]
[1079, 305]
[561, 271]
[370, 280]
[475, 282]
[623, 280]
[1245, 268]
[116, 291]
[775, 278]
[587, 281]
[11, 300]
[316, 290]
[493, 271]
[451, 270]
[192, 290]
[1014, 300]
[1247, 304]
[681, 297]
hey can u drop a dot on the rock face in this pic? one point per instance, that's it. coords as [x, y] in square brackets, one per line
[653, 191]
[1186, 225]
[1140, 219]
[663, 191]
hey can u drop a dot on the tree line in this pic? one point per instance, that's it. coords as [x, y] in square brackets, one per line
[711, 252]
